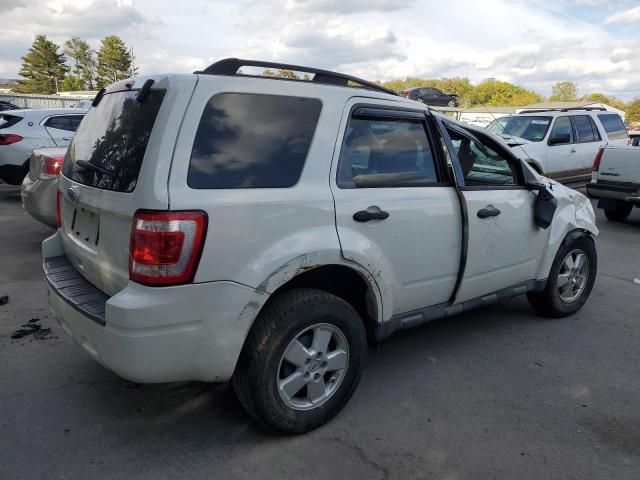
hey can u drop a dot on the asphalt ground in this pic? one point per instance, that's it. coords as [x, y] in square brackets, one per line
[497, 393]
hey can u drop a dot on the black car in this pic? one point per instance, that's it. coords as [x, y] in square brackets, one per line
[431, 96]
[4, 105]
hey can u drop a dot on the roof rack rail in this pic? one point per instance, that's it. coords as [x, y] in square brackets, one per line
[563, 109]
[230, 67]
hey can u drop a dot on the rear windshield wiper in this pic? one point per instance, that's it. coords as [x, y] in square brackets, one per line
[90, 166]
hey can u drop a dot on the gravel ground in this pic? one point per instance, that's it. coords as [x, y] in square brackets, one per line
[498, 393]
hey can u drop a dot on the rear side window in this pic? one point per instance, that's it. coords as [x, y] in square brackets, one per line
[613, 125]
[379, 153]
[252, 141]
[61, 122]
[586, 129]
[7, 120]
[107, 150]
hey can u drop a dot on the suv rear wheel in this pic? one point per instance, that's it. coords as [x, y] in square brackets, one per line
[302, 361]
[620, 213]
[570, 281]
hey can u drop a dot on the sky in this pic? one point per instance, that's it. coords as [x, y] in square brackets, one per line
[532, 43]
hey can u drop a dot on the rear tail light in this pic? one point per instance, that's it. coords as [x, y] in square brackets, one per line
[51, 167]
[9, 138]
[165, 246]
[596, 160]
[58, 208]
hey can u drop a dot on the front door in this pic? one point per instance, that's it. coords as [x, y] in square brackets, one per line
[395, 213]
[505, 246]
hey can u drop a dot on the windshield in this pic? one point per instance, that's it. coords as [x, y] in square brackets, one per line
[528, 127]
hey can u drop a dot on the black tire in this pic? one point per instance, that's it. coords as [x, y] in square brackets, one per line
[549, 301]
[620, 213]
[255, 379]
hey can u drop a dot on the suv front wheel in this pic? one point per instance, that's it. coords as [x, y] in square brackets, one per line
[301, 361]
[570, 281]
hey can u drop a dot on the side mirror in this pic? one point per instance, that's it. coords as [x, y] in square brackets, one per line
[530, 180]
[560, 138]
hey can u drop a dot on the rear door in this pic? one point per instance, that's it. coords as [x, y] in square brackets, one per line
[60, 128]
[587, 142]
[504, 244]
[118, 162]
[396, 212]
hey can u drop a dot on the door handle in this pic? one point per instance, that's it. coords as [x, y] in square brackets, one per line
[488, 211]
[366, 215]
[573, 150]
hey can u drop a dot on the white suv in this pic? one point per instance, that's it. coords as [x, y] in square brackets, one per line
[22, 131]
[561, 143]
[220, 226]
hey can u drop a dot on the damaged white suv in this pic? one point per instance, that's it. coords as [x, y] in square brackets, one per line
[220, 226]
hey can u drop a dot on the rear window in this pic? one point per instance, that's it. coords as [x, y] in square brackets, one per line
[252, 141]
[614, 126]
[108, 147]
[7, 120]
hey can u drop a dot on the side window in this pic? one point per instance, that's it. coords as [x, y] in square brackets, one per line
[613, 125]
[75, 121]
[60, 122]
[482, 165]
[252, 141]
[585, 129]
[561, 133]
[386, 153]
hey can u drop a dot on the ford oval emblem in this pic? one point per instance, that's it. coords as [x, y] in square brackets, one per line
[73, 193]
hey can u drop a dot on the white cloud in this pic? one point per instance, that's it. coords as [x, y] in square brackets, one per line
[626, 16]
[347, 6]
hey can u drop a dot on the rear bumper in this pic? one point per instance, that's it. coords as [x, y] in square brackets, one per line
[150, 335]
[625, 192]
[39, 199]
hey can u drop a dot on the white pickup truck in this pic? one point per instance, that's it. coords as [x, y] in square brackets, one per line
[615, 181]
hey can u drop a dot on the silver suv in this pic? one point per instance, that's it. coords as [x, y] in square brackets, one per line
[220, 226]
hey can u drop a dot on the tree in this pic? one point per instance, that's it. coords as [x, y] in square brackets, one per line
[602, 98]
[42, 68]
[633, 111]
[280, 74]
[494, 92]
[84, 61]
[72, 83]
[114, 61]
[564, 92]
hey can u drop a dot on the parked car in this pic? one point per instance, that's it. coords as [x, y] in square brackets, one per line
[561, 143]
[634, 138]
[38, 190]
[431, 96]
[22, 131]
[217, 249]
[4, 106]
[615, 181]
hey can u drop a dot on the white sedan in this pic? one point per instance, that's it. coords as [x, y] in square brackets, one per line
[21, 131]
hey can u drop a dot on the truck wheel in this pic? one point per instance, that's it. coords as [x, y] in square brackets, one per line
[570, 281]
[301, 361]
[620, 213]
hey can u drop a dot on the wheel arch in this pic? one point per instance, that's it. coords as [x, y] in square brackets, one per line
[350, 282]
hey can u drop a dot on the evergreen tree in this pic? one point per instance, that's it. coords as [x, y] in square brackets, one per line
[42, 68]
[84, 69]
[114, 61]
